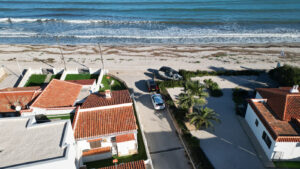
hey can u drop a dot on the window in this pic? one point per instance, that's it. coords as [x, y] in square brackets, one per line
[267, 139]
[256, 122]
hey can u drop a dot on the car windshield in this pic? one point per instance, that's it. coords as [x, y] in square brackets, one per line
[158, 100]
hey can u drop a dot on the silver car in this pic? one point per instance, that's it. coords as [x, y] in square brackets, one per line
[157, 102]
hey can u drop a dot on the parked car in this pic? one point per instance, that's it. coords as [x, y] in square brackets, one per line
[169, 73]
[157, 102]
[152, 86]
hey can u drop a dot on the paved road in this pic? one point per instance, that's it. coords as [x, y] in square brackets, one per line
[165, 148]
[228, 146]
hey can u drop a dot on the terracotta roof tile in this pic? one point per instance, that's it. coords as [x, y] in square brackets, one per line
[98, 99]
[96, 151]
[285, 104]
[91, 124]
[130, 165]
[8, 100]
[125, 137]
[280, 130]
[32, 88]
[58, 94]
[83, 81]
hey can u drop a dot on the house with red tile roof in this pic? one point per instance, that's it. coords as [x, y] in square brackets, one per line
[130, 165]
[59, 97]
[274, 118]
[87, 84]
[15, 100]
[105, 125]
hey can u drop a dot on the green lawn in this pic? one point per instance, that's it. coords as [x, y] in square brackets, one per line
[81, 76]
[117, 85]
[35, 80]
[287, 164]
[140, 156]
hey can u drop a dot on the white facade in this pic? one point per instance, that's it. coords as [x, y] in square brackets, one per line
[277, 150]
[48, 111]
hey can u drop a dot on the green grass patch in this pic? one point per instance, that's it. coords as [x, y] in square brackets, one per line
[287, 164]
[140, 156]
[35, 80]
[117, 85]
[81, 76]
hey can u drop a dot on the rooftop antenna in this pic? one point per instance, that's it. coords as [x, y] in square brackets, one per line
[101, 55]
[62, 56]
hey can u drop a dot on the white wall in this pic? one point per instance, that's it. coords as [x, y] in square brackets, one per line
[37, 111]
[96, 157]
[258, 131]
[124, 148]
[289, 149]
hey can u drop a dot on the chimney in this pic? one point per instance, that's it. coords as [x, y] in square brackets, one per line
[294, 89]
[107, 94]
[18, 108]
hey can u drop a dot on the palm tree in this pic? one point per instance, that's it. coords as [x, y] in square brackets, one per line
[194, 94]
[188, 101]
[203, 118]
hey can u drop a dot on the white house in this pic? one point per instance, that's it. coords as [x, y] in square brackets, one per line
[105, 125]
[274, 117]
[28, 145]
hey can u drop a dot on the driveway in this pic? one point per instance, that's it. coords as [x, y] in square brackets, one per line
[227, 146]
[165, 148]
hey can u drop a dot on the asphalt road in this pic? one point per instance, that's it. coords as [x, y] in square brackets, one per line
[164, 145]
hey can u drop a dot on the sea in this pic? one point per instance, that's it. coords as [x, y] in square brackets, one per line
[122, 22]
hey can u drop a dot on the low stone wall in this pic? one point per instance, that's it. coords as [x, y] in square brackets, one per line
[96, 157]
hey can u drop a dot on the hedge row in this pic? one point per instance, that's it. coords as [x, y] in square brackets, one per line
[188, 74]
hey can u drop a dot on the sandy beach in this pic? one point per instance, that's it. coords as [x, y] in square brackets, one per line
[145, 57]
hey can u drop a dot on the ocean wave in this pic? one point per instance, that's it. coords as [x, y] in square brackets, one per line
[220, 35]
[185, 21]
[16, 20]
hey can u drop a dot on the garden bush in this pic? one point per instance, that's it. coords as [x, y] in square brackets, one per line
[188, 74]
[239, 97]
[286, 75]
[213, 88]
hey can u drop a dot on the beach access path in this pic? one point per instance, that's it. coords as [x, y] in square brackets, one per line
[165, 148]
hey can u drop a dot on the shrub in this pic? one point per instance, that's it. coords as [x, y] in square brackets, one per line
[188, 74]
[213, 88]
[193, 145]
[286, 75]
[239, 97]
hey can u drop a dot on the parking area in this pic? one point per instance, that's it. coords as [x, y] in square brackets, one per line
[165, 148]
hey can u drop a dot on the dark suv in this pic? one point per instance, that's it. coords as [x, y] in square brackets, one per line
[152, 86]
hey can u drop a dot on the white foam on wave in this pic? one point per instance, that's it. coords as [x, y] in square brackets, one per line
[16, 20]
[238, 35]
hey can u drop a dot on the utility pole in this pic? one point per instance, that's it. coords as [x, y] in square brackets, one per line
[100, 51]
[62, 56]
[19, 67]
